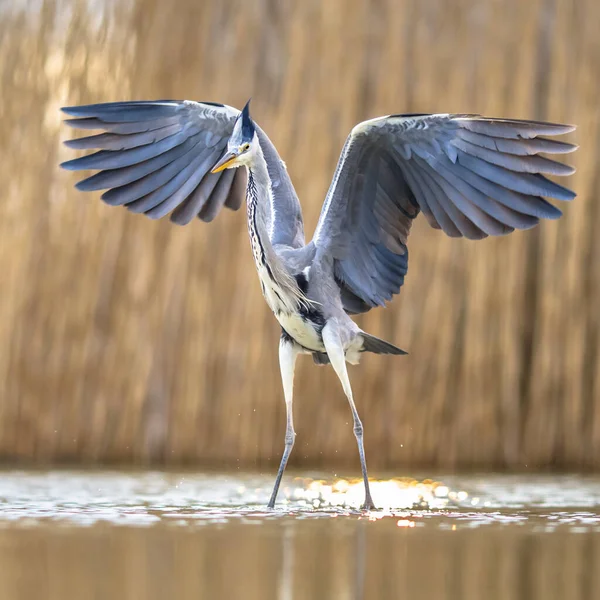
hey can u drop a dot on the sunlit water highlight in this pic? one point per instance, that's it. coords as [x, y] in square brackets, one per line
[77, 498]
[156, 535]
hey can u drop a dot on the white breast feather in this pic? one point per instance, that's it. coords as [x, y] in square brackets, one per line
[302, 331]
[286, 312]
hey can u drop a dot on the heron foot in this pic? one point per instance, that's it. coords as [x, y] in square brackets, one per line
[368, 505]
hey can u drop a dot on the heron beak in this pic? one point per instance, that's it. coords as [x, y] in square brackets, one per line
[227, 160]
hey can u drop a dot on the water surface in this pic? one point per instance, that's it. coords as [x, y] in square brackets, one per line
[76, 534]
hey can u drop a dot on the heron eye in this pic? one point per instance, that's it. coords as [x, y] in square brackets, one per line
[245, 147]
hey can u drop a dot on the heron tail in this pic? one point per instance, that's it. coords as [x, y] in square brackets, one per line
[377, 346]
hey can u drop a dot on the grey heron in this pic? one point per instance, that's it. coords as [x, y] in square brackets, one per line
[471, 176]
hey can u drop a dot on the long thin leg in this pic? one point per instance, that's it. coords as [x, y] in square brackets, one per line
[335, 351]
[288, 352]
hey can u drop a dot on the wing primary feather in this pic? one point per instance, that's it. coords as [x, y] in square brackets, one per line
[524, 164]
[435, 199]
[505, 215]
[534, 206]
[179, 196]
[197, 199]
[512, 128]
[156, 197]
[107, 159]
[119, 112]
[238, 190]
[112, 141]
[217, 199]
[85, 123]
[144, 186]
[462, 223]
[520, 147]
[484, 222]
[123, 128]
[189, 209]
[524, 183]
[119, 177]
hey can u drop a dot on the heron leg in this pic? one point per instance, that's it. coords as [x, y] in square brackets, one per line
[335, 351]
[288, 352]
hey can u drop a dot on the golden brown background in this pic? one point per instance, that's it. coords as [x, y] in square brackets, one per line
[311, 559]
[128, 340]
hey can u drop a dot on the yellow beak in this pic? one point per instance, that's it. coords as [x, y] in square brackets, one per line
[227, 160]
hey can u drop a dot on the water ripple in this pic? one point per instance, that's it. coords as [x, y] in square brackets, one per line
[74, 498]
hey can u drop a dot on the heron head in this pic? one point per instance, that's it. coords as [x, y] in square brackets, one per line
[241, 144]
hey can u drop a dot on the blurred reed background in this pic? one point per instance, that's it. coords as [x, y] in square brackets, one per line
[131, 341]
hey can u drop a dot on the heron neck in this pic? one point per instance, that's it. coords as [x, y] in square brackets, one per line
[279, 288]
[259, 196]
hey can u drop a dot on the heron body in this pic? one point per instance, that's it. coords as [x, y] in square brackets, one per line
[287, 287]
[470, 176]
[284, 294]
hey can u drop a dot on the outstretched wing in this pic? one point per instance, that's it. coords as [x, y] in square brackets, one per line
[155, 157]
[471, 176]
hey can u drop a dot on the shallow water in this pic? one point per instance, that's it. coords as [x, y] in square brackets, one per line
[74, 534]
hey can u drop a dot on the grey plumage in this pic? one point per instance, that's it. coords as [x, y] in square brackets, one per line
[429, 163]
[470, 176]
[156, 156]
